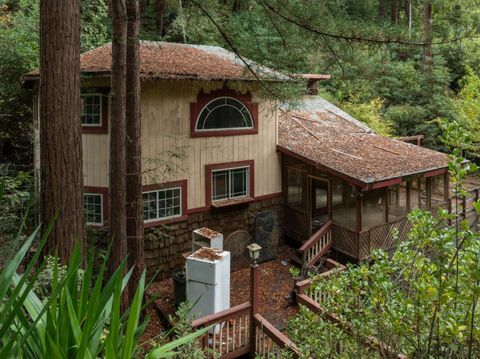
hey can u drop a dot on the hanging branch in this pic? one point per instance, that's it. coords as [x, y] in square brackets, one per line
[357, 38]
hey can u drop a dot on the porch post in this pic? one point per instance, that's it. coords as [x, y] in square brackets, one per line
[409, 205]
[254, 283]
[359, 196]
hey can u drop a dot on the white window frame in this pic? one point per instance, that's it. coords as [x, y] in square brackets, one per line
[101, 111]
[230, 169]
[224, 128]
[101, 209]
[158, 219]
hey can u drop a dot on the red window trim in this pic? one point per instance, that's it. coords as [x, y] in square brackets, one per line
[203, 99]
[103, 129]
[155, 187]
[104, 192]
[226, 165]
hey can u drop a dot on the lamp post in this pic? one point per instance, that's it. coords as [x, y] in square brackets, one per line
[254, 251]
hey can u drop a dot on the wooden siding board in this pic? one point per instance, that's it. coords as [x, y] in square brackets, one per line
[165, 113]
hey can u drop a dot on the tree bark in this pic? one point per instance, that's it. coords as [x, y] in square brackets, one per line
[117, 190]
[427, 36]
[160, 18]
[60, 127]
[394, 12]
[134, 149]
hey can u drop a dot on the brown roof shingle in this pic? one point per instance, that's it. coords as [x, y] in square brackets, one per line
[164, 60]
[325, 137]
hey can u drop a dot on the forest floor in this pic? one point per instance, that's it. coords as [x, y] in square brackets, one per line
[276, 283]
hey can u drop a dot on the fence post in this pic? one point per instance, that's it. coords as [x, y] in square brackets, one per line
[254, 283]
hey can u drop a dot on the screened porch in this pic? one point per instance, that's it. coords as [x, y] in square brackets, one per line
[363, 219]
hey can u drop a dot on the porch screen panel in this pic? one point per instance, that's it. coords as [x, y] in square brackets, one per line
[418, 194]
[438, 191]
[373, 208]
[344, 205]
[297, 188]
[397, 202]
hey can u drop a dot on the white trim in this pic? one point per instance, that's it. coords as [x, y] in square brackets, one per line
[224, 128]
[157, 219]
[101, 209]
[229, 169]
[101, 110]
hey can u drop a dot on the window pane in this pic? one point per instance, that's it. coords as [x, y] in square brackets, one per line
[93, 208]
[438, 191]
[91, 110]
[150, 205]
[296, 187]
[224, 113]
[397, 202]
[162, 204]
[239, 182]
[220, 185]
[373, 208]
[344, 204]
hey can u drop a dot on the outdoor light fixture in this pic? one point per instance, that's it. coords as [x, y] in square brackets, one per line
[254, 251]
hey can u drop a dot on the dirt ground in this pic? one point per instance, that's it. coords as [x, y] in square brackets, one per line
[276, 283]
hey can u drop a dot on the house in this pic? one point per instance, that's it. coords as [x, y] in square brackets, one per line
[217, 152]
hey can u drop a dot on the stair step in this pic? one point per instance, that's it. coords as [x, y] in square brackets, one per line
[297, 261]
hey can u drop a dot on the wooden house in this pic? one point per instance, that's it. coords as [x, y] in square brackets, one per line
[216, 153]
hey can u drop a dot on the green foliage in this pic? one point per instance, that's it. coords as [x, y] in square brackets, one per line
[95, 25]
[370, 114]
[15, 198]
[79, 318]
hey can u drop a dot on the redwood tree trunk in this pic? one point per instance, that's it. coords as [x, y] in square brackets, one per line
[60, 128]
[160, 12]
[134, 149]
[394, 12]
[427, 36]
[118, 138]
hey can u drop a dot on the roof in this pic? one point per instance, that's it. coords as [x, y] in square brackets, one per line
[321, 134]
[165, 60]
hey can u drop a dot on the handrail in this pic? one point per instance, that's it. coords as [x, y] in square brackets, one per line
[221, 316]
[274, 334]
[300, 286]
[369, 341]
[318, 234]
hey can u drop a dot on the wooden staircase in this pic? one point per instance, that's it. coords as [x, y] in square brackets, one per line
[316, 248]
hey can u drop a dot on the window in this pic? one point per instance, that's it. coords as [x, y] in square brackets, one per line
[230, 183]
[162, 204]
[91, 110]
[93, 207]
[224, 113]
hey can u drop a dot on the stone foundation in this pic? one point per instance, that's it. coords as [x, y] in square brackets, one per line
[165, 244]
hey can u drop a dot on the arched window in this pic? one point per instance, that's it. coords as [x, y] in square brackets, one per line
[224, 113]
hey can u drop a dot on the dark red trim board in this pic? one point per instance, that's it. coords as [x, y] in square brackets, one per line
[203, 99]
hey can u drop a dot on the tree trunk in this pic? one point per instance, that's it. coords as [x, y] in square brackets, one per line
[118, 222]
[160, 12]
[381, 9]
[134, 149]
[394, 12]
[427, 36]
[60, 128]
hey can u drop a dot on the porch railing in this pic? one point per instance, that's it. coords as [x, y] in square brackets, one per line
[269, 341]
[230, 337]
[237, 332]
[317, 246]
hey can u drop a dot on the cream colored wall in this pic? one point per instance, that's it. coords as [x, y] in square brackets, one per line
[170, 154]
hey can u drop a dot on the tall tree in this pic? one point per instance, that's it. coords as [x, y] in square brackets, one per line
[117, 197]
[160, 16]
[134, 148]
[427, 35]
[60, 128]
